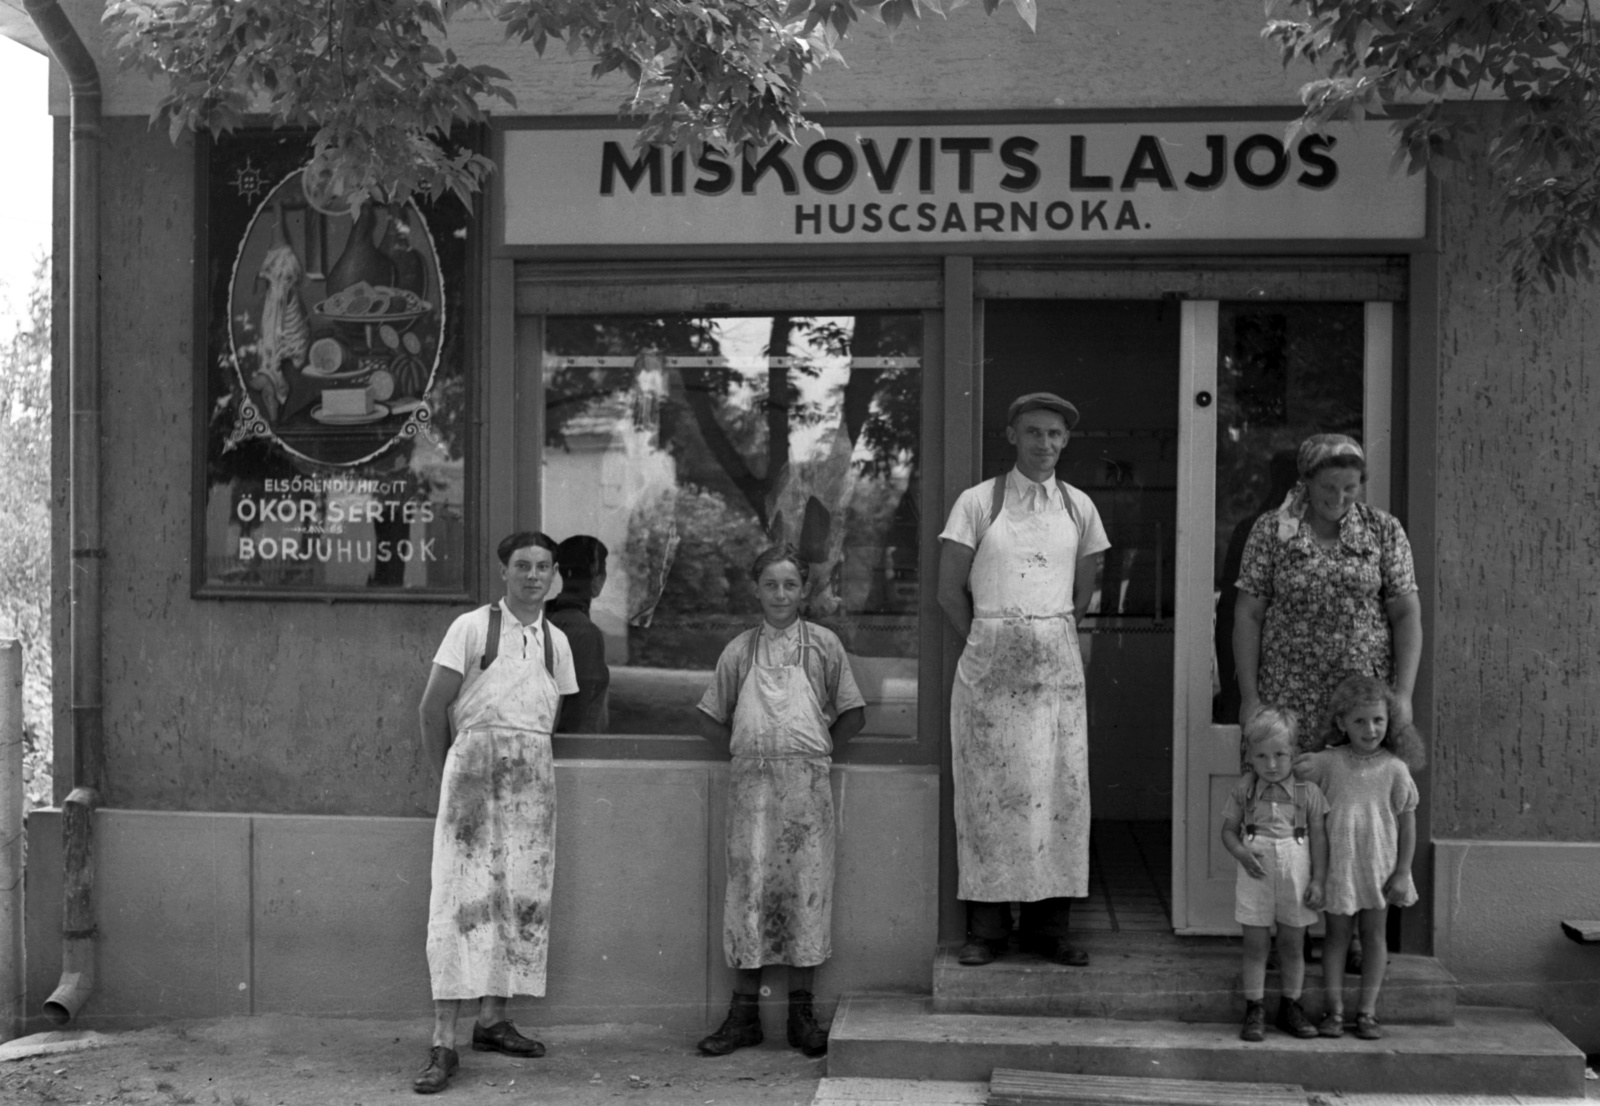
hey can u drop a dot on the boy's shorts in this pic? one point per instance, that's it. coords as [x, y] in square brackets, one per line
[1281, 896]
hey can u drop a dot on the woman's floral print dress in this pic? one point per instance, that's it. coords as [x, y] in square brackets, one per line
[1326, 614]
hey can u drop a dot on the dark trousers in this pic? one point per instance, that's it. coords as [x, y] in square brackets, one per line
[991, 921]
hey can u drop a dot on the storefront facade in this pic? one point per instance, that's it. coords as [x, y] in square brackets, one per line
[688, 358]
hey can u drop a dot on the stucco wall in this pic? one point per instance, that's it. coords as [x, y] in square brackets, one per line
[1497, 908]
[1517, 463]
[1086, 53]
[203, 915]
[227, 706]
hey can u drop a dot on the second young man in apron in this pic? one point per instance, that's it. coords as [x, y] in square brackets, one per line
[1017, 570]
[486, 717]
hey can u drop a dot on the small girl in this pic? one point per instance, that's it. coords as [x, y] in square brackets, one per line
[1274, 828]
[770, 704]
[1365, 766]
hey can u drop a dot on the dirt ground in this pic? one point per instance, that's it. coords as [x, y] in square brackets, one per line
[277, 1060]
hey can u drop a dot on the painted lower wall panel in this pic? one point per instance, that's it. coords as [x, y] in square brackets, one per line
[338, 914]
[172, 902]
[204, 915]
[1497, 908]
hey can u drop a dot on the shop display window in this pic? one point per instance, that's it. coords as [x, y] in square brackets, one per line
[688, 443]
[334, 430]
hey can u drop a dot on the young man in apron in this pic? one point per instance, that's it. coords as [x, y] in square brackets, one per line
[496, 686]
[782, 699]
[1017, 569]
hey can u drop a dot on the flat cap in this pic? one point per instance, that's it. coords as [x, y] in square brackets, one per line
[1042, 401]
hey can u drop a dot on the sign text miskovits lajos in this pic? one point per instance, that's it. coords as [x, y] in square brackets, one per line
[1188, 180]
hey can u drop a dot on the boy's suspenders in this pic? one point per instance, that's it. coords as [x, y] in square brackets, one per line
[1301, 798]
[492, 649]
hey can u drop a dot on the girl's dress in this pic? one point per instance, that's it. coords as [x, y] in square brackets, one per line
[1366, 796]
[774, 684]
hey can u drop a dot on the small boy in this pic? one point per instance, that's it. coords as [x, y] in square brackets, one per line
[1274, 827]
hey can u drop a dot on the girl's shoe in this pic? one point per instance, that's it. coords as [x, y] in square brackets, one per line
[1255, 1021]
[1367, 1027]
[1332, 1024]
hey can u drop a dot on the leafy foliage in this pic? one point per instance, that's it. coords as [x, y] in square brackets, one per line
[384, 99]
[1540, 57]
[25, 505]
[366, 75]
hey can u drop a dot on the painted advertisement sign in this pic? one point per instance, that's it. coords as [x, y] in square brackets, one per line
[946, 184]
[335, 440]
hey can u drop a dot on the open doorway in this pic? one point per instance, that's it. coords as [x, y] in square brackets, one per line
[1117, 361]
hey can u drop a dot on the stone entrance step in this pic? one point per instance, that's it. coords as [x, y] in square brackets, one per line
[1142, 976]
[1488, 1051]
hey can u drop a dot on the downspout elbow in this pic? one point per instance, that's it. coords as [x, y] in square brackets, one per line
[66, 45]
[76, 982]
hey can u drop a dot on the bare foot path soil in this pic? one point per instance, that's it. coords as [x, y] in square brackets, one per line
[278, 1060]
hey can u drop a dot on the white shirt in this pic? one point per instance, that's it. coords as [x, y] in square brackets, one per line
[522, 644]
[969, 518]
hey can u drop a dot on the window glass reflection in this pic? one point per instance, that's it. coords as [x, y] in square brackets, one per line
[1284, 371]
[686, 444]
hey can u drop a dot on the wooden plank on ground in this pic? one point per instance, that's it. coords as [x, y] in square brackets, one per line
[847, 1091]
[1583, 932]
[1011, 1087]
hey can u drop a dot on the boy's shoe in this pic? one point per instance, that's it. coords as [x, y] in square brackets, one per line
[1293, 1021]
[1367, 1027]
[1255, 1022]
[804, 1032]
[740, 1029]
[1332, 1024]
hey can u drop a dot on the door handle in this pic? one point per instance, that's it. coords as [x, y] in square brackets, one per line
[1202, 399]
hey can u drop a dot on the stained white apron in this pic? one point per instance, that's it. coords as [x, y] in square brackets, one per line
[778, 907]
[494, 840]
[1019, 725]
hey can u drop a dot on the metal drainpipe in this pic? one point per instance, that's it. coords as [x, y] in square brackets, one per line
[77, 821]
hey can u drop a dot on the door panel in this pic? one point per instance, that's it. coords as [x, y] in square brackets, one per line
[1271, 374]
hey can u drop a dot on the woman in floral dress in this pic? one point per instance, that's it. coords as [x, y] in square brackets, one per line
[1327, 589]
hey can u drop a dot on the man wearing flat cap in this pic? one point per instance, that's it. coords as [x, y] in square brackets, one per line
[1017, 568]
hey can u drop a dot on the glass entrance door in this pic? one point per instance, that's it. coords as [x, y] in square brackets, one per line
[1254, 380]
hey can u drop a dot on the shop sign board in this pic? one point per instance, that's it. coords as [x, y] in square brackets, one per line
[1101, 183]
[334, 389]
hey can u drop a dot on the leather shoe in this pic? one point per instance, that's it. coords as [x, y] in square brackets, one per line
[804, 1032]
[978, 951]
[503, 1037]
[1056, 950]
[740, 1029]
[442, 1064]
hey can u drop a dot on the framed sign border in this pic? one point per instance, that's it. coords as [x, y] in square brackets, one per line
[472, 342]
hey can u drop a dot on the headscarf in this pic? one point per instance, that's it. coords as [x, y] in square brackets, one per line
[1313, 452]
